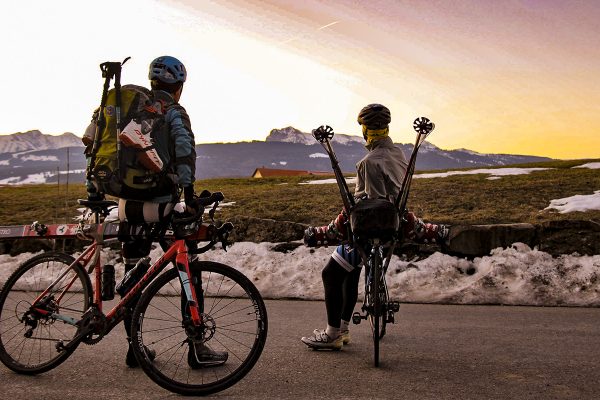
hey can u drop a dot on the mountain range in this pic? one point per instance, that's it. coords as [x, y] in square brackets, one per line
[32, 157]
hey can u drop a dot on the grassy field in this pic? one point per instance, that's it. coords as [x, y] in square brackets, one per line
[461, 199]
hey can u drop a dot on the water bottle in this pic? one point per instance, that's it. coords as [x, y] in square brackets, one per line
[108, 282]
[134, 275]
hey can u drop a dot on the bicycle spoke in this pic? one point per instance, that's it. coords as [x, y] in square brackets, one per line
[251, 307]
[70, 296]
[164, 312]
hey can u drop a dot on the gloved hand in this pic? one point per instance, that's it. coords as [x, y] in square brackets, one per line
[95, 195]
[320, 236]
[310, 237]
[191, 205]
[337, 227]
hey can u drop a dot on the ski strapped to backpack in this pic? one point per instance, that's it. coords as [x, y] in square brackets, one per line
[128, 142]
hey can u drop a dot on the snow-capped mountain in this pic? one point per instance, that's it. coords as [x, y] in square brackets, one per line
[47, 159]
[293, 135]
[36, 140]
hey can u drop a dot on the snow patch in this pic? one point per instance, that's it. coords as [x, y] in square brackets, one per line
[593, 165]
[499, 172]
[327, 181]
[39, 158]
[318, 155]
[579, 202]
[41, 177]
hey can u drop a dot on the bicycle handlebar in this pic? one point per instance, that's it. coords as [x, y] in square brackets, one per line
[206, 201]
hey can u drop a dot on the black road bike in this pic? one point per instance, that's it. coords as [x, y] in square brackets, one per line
[375, 228]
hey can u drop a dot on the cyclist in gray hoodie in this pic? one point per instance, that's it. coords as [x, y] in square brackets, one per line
[379, 176]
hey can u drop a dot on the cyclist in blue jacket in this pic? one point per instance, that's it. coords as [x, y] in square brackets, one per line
[167, 75]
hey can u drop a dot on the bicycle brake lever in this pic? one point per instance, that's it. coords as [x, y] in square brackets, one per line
[224, 241]
[211, 213]
[223, 233]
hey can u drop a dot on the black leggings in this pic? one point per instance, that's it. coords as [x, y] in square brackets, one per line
[341, 292]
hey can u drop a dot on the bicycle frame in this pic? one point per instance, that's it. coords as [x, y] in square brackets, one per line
[90, 258]
[376, 247]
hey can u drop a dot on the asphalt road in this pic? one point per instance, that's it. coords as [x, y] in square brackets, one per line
[432, 352]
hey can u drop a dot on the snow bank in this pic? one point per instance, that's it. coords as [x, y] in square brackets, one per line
[516, 275]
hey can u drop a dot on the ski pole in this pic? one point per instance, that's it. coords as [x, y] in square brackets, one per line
[104, 67]
[323, 134]
[118, 67]
[423, 127]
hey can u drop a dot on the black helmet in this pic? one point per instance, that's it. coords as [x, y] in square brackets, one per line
[374, 116]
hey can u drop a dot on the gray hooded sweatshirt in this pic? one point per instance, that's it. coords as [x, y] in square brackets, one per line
[381, 171]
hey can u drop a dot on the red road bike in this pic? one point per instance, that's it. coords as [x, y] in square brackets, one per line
[49, 305]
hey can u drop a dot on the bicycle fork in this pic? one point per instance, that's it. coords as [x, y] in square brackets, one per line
[197, 325]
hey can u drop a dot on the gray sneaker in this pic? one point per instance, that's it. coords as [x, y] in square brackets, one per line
[202, 356]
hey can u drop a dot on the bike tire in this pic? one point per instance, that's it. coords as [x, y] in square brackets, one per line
[233, 309]
[383, 301]
[30, 355]
[376, 317]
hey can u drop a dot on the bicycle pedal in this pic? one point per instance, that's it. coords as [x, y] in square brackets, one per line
[394, 306]
[390, 318]
[357, 318]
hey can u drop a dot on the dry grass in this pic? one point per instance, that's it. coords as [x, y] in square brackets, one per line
[461, 199]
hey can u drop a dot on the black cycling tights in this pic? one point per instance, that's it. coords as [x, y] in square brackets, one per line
[341, 292]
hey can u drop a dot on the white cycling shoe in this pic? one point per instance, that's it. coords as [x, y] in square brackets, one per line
[321, 341]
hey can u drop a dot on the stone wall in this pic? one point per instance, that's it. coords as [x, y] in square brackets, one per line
[554, 237]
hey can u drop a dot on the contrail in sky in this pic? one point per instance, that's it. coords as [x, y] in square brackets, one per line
[318, 29]
[328, 25]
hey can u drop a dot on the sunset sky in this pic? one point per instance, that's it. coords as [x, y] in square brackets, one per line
[504, 76]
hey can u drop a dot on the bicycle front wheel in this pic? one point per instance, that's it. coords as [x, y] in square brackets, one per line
[378, 299]
[29, 333]
[234, 323]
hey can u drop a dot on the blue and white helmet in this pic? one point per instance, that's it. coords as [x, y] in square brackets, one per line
[167, 69]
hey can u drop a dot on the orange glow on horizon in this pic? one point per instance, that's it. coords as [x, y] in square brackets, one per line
[517, 77]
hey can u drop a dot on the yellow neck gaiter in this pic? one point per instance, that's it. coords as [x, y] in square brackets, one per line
[372, 135]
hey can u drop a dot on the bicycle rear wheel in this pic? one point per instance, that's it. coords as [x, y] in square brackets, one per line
[28, 338]
[234, 320]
